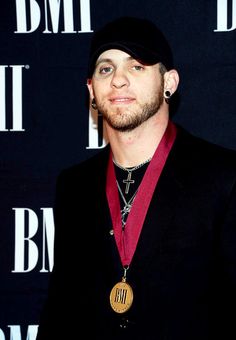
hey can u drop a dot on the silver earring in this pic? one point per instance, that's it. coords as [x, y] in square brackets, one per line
[93, 104]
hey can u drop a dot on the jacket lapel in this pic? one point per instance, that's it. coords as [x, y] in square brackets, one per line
[163, 207]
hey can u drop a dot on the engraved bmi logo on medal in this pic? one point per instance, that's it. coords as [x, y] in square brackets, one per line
[121, 296]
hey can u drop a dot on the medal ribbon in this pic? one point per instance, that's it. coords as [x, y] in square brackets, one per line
[127, 239]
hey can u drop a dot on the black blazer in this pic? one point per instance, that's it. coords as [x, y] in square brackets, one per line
[183, 273]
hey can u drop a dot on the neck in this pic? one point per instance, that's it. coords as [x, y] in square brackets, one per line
[135, 147]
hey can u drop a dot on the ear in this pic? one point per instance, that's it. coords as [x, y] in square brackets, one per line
[171, 81]
[90, 87]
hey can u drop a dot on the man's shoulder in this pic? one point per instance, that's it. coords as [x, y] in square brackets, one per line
[202, 148]
[90, 166]
[193, 154]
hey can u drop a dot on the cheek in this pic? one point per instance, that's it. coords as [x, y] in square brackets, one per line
[148, 89]
[156, 85]
[100, 92]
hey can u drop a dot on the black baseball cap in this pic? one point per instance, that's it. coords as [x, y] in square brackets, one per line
[138, 37]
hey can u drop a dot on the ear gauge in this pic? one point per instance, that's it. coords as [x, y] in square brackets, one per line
[93, 104]
[167, 95]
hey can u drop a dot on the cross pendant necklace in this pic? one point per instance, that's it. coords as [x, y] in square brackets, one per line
[128, 181]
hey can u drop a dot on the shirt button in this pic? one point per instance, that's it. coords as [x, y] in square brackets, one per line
[124, 323]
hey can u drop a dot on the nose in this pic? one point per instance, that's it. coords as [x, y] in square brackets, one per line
[119, 79]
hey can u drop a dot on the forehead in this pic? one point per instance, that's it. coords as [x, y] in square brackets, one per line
[113, 55]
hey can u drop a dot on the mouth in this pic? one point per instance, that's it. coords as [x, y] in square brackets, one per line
[121, 100]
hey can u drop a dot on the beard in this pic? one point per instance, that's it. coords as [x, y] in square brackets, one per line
[125, 120]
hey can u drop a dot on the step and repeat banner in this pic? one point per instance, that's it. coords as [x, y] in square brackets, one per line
[46, 123]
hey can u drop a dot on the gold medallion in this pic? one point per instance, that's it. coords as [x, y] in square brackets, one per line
[121, 297]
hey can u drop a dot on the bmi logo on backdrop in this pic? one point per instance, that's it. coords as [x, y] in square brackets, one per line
[30, 16]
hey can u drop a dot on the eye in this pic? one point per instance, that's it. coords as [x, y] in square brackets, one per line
[105, 70]
[138, 67]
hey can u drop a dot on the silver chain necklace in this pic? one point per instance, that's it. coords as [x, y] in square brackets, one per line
[128, 180]
[127, 205]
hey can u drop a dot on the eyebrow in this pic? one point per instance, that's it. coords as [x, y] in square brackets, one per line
[108, 60]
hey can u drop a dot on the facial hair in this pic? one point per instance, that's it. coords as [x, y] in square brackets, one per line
[130, 119]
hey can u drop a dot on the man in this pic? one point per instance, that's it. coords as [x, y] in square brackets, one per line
[145, 238]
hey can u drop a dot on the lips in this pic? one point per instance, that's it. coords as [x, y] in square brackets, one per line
[121, 100]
